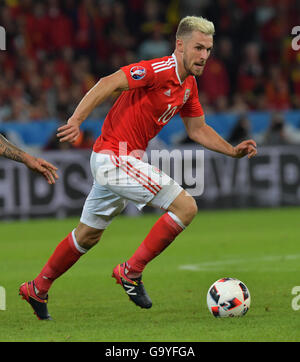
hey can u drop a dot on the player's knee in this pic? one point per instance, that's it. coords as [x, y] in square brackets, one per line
[187, 211]
[89, 241]
[86, 236]
[191, 210]
[185, 207]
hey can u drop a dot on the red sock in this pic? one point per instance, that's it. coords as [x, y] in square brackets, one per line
[160, 236]
[64, 256]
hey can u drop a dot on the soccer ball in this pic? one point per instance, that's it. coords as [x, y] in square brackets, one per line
[228, 297]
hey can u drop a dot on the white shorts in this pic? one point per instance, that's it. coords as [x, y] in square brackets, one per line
[118, 180]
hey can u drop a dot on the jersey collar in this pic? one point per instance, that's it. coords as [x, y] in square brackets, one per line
[176, 69]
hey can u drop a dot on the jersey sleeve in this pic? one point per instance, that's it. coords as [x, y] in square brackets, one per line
[139, 74]
[192, 107]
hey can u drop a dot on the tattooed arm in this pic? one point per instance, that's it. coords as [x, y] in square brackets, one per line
[12, 152]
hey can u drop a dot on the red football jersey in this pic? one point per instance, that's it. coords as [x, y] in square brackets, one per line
[155, 95]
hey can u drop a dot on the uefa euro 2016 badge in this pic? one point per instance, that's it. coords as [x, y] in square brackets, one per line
[186, 95]
[137, 72]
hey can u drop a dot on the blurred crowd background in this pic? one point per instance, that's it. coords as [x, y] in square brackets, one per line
[58, 49]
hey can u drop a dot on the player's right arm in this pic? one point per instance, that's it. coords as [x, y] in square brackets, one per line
[95, 96]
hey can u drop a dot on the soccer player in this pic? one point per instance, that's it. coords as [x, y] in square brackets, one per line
[12, 152]
[152, 92]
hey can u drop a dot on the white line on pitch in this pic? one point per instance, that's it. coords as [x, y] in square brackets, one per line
[208, 265]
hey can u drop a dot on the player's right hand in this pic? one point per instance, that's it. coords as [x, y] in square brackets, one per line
[69, 132]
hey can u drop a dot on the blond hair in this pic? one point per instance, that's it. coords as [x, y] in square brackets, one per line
[194, 23]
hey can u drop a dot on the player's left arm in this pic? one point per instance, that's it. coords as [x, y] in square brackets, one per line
[199, 131]
[10, 151]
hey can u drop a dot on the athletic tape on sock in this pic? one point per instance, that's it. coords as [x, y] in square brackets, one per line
[176, 219]
[77, 246]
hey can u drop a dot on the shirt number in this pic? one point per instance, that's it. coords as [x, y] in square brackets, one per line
[167, 115]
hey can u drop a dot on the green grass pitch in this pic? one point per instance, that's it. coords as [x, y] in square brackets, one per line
[260, 247]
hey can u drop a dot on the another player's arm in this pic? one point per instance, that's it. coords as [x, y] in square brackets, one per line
[10, 151]
[105, 87]
[202, 133]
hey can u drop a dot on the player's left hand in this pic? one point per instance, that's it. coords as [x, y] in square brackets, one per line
[69, 132]
[43, 167]
[244, 148]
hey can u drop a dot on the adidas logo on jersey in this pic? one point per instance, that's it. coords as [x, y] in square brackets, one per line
[168, 92]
